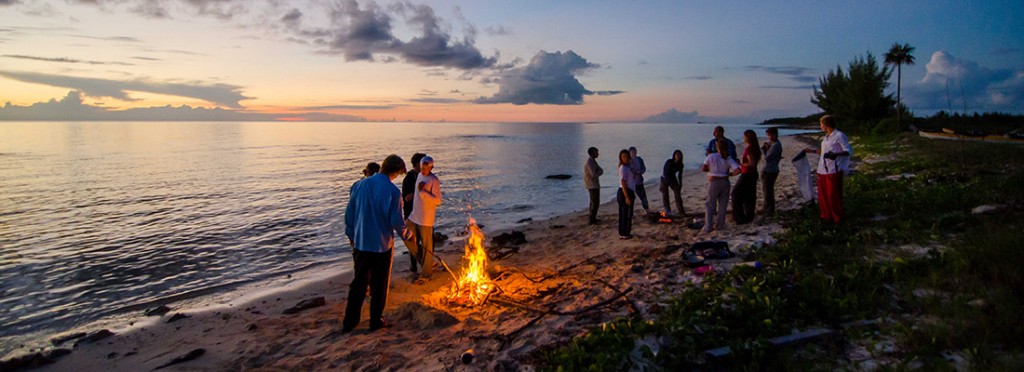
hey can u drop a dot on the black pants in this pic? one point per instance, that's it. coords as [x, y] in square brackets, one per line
[744, 198]
[768, 188]
[641, 193]
[625, 212]
[372, 269]
[595, 202]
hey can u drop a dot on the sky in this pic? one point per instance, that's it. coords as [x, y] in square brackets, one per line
[490, 61]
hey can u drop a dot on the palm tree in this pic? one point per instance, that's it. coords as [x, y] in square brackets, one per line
[899, 55]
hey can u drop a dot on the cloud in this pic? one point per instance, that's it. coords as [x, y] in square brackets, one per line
[792, 87]
[361, 33]
[350, 107]
[549, 78]
[498, 30]
[674, 116]
[65, 60]
[794, 73]
[955, 84]
[8, 2]
[220, 94]
[436, 100]
[701, 77]
[71, 107]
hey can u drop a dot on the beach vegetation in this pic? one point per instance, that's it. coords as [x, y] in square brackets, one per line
[938, 281]
[899, 55]
[856, 96]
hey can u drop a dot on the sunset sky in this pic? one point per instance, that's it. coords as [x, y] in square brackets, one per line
[490, 61]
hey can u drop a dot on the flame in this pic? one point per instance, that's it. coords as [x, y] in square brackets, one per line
[664, 218]
[473, 285]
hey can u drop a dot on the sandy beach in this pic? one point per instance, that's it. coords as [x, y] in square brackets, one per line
[568, 277]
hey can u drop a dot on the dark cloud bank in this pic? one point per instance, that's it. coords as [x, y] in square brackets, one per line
[71, 108]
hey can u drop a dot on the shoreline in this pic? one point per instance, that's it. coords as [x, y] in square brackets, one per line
[250, 332]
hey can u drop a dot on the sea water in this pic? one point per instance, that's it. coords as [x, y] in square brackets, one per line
[102, 218]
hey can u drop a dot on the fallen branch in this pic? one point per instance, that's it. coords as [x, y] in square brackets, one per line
[632, 304]
[594, 306]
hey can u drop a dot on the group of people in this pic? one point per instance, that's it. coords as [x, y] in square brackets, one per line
[722, 162]
[376, 211]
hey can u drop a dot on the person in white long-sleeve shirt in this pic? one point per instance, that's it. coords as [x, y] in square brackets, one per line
[425, 201]
[832, 165]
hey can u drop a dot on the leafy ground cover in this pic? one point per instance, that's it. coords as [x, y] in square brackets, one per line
[940, 278]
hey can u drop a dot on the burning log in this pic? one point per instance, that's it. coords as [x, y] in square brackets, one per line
[664, 218]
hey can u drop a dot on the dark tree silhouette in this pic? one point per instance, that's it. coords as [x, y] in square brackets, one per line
[857, 95]
[899, 55]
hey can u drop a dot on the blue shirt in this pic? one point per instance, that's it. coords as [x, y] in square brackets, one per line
[713, 148]
[374, 211]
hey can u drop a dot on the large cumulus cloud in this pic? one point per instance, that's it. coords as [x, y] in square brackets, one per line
[549, 78]
[366, 33]
[953, 84]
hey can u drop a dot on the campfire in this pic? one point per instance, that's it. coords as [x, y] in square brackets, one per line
[663, 218]
[472, 286]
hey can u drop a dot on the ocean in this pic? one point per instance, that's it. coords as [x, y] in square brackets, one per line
[103, 218]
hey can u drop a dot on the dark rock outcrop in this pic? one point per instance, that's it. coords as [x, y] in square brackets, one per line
[94, 336]
[191, 355]
[305, 305]
[508, 239]
[158, 311]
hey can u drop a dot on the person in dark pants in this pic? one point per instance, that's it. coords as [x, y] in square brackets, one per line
[772, 150]
[639, 168]
[626, 196]
[591, 180]
[373, 214]
[672, 179]
[744, 194]
[408, 190]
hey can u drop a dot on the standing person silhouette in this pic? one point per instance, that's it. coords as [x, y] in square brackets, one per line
[626, 196]
[639, 168]
[408, 190]
[373, 215]
[832, 165]
[591, 180]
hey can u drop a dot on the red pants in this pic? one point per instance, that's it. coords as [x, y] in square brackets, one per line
[830, 196]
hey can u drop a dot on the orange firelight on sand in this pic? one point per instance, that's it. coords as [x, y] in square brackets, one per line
[473, 285]
[663, 218]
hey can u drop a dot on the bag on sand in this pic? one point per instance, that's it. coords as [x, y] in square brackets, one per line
[804, 177]
[713, 249]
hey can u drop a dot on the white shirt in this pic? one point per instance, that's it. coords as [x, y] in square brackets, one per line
[626, 174]
[425, 202]
[719, 167]
[835, 142]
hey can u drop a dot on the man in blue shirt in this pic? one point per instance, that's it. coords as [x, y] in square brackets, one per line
[373, 215]
[720, 135]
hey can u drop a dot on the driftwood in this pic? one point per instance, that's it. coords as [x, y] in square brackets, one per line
[632, 304]
[506, 338]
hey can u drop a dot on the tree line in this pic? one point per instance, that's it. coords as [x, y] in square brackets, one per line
[856, 96]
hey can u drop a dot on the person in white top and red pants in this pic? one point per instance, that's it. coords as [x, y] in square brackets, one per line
[832, 165]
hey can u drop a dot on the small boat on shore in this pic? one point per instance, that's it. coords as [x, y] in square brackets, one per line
[946, 134]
